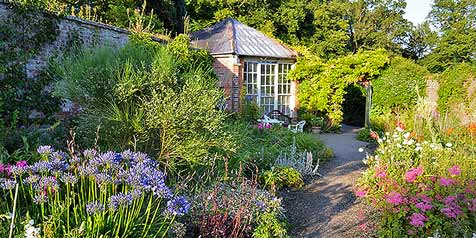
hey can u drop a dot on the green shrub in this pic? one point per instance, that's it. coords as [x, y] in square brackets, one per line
[261, 147]
[397, 86]
[160, 99]
[250, 111]
[269, 226]
[455, 85]
[282, 177]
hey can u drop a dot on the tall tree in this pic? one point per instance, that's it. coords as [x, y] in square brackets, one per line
[456, 22]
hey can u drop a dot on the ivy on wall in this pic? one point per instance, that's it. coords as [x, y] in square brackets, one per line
[24, 102]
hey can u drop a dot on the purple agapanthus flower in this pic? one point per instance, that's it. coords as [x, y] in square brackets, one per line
[48, 182]
[19, 170]
[94, 208]
[40, 198]
[44, 150]
[178, 206]
[119, 200]
[8, 184]
[68, 178]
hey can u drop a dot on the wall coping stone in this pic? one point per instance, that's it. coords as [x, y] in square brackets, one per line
[92, 23]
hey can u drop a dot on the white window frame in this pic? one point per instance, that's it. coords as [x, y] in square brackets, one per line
[288, 86]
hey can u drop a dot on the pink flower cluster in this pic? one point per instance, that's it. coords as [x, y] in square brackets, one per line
[265, 125]
[394, 198]
[7, 168]
[455, 170]
[412, 174]
[418, 219]
[451, 209]
[422, 201]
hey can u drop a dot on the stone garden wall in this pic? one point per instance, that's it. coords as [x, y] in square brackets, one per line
[70, 30]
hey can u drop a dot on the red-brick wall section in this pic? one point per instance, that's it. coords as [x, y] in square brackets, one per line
[229, 72]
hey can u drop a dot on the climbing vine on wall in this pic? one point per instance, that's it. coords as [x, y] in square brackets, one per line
[24, 101]
[322, 84]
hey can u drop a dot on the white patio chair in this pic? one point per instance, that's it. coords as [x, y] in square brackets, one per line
[298, 127]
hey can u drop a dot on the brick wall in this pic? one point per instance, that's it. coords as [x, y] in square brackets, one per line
[71, 29]
[230, 79]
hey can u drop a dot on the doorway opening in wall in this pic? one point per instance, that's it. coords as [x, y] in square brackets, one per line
[354, 106]
[267, 84]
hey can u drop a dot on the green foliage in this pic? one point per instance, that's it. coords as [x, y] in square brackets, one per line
[327, 28]
[269, 226]
[282, 177]
[250, 111]
[161, 99]
[322, 85]
[456, 85]
[399, 85]
[25, 104]
[456, 22]
[255, 147]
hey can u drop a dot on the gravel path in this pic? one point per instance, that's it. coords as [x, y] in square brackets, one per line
[326, 206]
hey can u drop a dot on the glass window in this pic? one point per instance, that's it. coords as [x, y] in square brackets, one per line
[267, 84]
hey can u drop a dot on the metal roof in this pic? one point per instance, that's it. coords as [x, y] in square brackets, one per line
[233, 37]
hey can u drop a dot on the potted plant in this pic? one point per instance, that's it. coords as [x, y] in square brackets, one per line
[316, 124]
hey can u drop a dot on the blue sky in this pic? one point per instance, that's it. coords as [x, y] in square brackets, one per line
[417, 10]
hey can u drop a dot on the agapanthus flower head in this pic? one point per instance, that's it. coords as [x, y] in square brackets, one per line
[75, 160]
[57, 155]
[261, 205]
[455, 170]
[178, 206]
[94, 208]
[119, 200]
[413, 173]
[418, 220]
[19, 170]
[86, 170]
[68, 178]
[51, 166]
[89, 153]
[162, 191]
[48, 182]
[40, 198]
[103, 178]
[7, 184]
[32, 180]
[45, 150]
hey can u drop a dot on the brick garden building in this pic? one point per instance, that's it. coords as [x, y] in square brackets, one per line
[250, 64]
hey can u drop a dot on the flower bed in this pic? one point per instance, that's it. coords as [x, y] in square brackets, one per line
[421, 188]
[90, 194]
